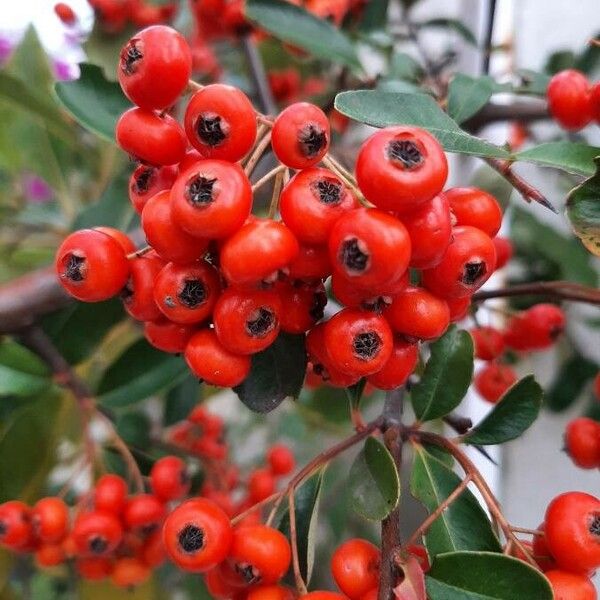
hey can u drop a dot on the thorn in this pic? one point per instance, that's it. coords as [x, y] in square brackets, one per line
[485, 453]
[544, 202]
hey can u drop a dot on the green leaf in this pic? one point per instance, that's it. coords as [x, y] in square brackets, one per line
[94, 101]
[570, 380]
[276, 373]
[447, 376]
[374, 482]
[484, 576]
[382, 109]
[589, 59]
[16, 356]
[583, 210]
[559, 61]
[533, 82]
[468, 95]
[566, 156]
[295, 25]
[511, 416]
[464, 525]
[454, 24]
[138, 373]
[354, 393]
[14, 382]
[374, 16]
[404, 66]
[103, 48]
[306, 504]
[134, 429]
[181, 400]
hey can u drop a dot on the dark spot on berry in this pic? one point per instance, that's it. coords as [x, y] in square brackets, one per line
[248, 573]
[555, 332]
[318, 304]
[200, 190]
[320, 370]
[74, 268]
[377, 303]
[3, 528]
[97, 545]
[328, 191]
[312, 140]
[353, 257]
[193, 293]
[184, 477]
[127, 292]
[191, 539]
[366, 345]
[211, 129]
[473, 272]
[130, 56]
[146, 530]
[144, 180]
[405, 152]
[594, 527]
[261, 322]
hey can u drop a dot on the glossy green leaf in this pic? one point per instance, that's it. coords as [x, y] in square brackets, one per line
[447, 376]
[569, 381]
[354, 393]
[297, 26]
[181, 400]
[382, 109]
[511, 416]
[141, 371]
[29, 62]
[583, 210]
[468, 95]
[16, 356]
[94, 101]
[134, 429]
[306, 505]
[452, 24]
[14, 382]
[373, 481]
[276, 373]
[566, 156]
[464, 525]
[485, 576]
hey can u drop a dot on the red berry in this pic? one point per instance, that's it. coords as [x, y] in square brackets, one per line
[247, 321]
[459, 307]
[257, 252]
[91, 265]
[129, 572]
[217, 587]
[260, 554]
[94, 568]
[50, 519]
[143, 514]
[488, 342]
[281, 459]
[569, 99]
[153, 552]
[211, 199]
[300, 136]
[595, 102]
[167, 238]
[319, 595]
[169, 478]
[187, 294]
[220, 122]
[468, 263]
[400, 168]
[475, 207]
[303, 304]
[151, 138]
[138, 293]
[582, 442]
[398, 367]
[15, 524]
[417, 313]
[110, 494]
[537, 328]
[49, 555]
[370, 248]
[270, 592]
[154, 67]
[121, 238]
[358, 343]
[197, 535]
[65, 13]
[571, 586]
[367, 299]
[355, 567]
[210, 361]
[97, 533]
[168, 336]
[261, 485]
[430, 229]
[147, 181]
[493, 380]
[504, 251]
[311, 203]
[311, 264]
[541, 552]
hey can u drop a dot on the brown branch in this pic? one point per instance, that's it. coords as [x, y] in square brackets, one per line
[259, 77]
[520, 110]
[560, 290]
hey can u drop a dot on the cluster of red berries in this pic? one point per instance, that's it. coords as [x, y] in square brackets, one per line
[115, 15]
[567, 547]
[534, 329]
[573, 101]
[220, 283]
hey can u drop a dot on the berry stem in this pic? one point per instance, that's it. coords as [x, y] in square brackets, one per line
[265, 178]
[139, 253]
[274, 204]
[258, 151]
[562, 290]
[300, 585]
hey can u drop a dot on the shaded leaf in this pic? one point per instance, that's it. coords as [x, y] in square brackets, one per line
[583, 210]
[374, 16]
[16, 356]
[464, 525]
[447, 376]
[533, 82]
[276, 373]
[453, 24]
[306, 505]
[297, 26]
[355, 392]
[181, 400]
[138, 373]
[570, 380]
[468, 95]
[404, 66]
[484, 576]
[373, 481]
[94, 101]
[29, 62]
[566, 156]
[511, 416]
[382, 109]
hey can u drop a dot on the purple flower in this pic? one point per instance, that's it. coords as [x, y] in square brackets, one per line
[35, 189]
[5, 50]
[64, 71]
